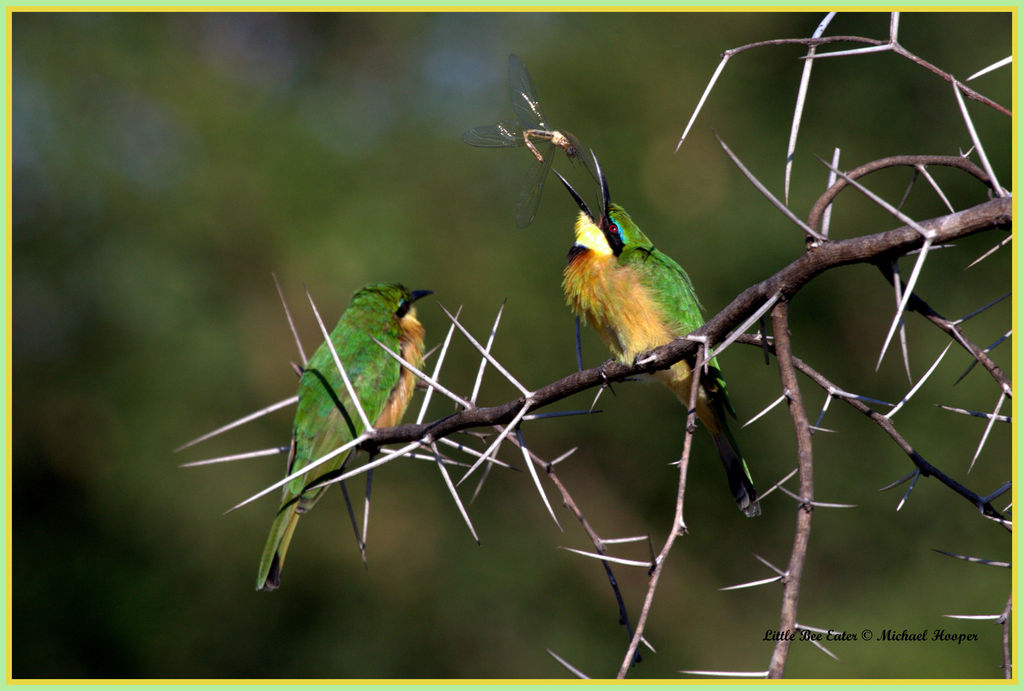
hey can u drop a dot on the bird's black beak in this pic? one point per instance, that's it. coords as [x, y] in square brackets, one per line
[605, 196]
[415, 295]
[579, 200]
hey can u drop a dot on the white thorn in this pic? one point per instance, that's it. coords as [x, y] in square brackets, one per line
[337, 362]
[777, 485]
[1001, 243]
[739, 330]
[303, 470]
[999, 191]
[454, 493]
[716, 673]
[753, 584]
[777, 401]
[768, 195]
[237, 457]
[536, 479]
[419, 373]
[240, 421]
[826, 218]
[605, 557]
[704, 96]
[854, 51]
[490, 358]
[291, 323]
[366, 467]
[919, 382]
[805, 79]
[437, 370]
[494, 445]
[910, 488]
[575, 672]
[988, 428]
[483, 361]
[994, 66]
[907, 292]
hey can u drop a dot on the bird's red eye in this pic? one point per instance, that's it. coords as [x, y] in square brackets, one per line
[614, 236]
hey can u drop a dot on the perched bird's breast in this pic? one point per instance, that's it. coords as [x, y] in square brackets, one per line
[608, 296]
[411, 349]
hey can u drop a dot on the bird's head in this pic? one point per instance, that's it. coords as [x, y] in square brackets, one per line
[390, 298]
[608, 231]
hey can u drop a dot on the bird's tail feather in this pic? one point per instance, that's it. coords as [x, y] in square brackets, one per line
[272, 560]
[740, 484]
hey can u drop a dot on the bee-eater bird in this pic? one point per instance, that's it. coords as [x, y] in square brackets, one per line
[637, 298]
[326, 417]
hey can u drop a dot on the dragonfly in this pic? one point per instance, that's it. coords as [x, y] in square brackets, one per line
[529, 128]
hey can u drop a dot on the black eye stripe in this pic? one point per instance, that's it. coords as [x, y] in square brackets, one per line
[614, 237]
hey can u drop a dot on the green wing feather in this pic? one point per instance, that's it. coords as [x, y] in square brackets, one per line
[326, 418]
[673, 292]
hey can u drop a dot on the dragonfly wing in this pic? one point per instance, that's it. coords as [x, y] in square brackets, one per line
[524, 96]
[581, 155]
[504, 134]
[529, 195]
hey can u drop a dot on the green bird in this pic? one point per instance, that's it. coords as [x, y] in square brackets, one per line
[326, 418]
[637, 298]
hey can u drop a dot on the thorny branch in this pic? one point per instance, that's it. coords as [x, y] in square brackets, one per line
[995, 213]
[888, 45]
[784, 284]
[791, 581]
[819, 257]
[881, 249]
[926, 468]
[871, 45]
[915, 303]
[678, 523]
[1007, 659]
[599, 545]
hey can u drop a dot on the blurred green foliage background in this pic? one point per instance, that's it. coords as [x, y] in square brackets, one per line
[166, 164]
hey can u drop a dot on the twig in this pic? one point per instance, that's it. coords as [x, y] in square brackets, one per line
[599, 545]
[818, 210]
[983, 504]
[874, 45]
[914, 302]
[678, 524]
[787, 282]
[805, 460]
[1007, 659]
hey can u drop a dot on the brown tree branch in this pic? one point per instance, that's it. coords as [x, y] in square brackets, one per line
[995, 213]
[599, 546]
[805, 461]
[926, 468]
[915, 302]
[895, 47]
[678, 524]
[814, 218]
[1007, 659]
